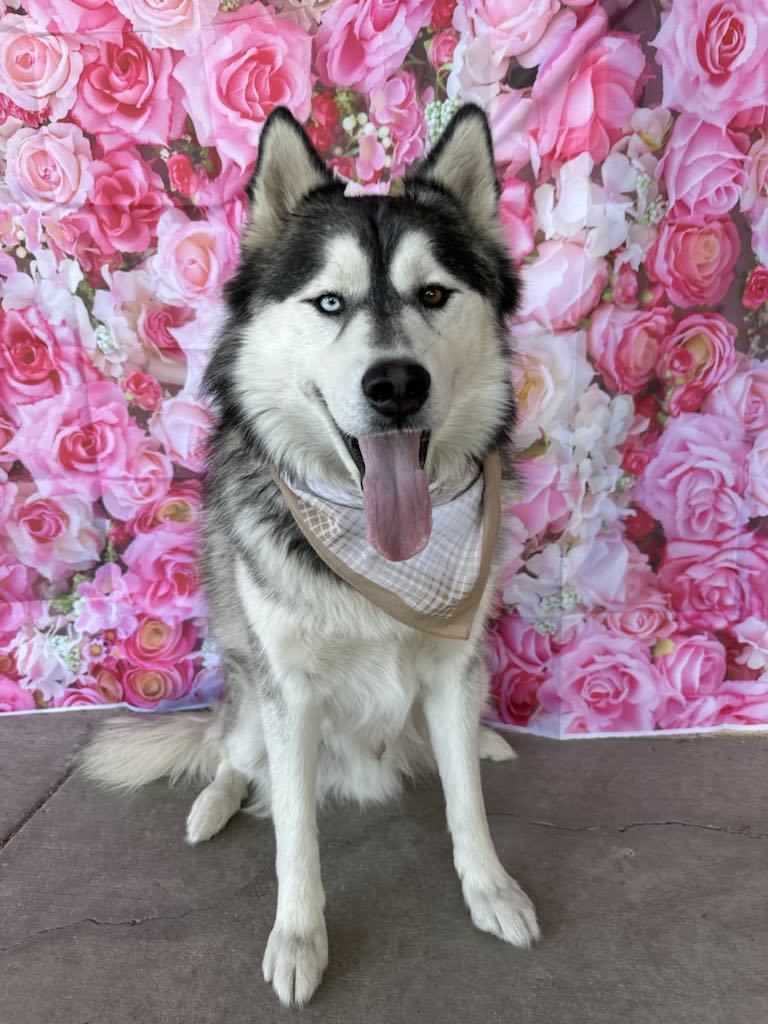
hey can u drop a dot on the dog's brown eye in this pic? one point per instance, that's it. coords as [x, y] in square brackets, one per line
[433, 296]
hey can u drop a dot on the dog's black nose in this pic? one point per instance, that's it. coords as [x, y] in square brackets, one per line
[396, 388]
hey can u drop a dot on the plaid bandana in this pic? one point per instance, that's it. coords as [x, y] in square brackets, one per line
[438, 591]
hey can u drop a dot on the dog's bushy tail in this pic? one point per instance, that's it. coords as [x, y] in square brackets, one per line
[128, 754]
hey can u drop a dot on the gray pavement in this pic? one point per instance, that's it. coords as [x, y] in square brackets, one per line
[647, 860]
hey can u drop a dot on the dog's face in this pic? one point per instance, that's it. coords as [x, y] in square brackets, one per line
[367, 333]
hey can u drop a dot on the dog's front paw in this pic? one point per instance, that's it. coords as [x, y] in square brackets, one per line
[502, 908]
[294, 964]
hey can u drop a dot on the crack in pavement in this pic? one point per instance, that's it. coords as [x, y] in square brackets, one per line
[745, 833]
[37, 807]
[131, 922]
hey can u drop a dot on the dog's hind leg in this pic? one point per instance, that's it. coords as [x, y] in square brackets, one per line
[494, 747]
[216, 804]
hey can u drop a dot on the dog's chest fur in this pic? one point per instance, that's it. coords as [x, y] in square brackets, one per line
[284, 619]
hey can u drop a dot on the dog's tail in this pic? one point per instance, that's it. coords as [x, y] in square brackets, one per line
[128, 754]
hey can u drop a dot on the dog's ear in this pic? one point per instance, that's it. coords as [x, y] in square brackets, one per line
[287, 170]
[462, 164]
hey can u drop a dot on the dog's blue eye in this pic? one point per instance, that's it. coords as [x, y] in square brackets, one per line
[331, 304]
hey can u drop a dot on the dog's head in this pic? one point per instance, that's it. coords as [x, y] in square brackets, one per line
[366, 335]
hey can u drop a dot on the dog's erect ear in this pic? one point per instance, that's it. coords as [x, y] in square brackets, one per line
[287, 170]
[462, 164]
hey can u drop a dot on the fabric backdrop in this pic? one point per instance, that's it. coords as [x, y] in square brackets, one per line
[632, 146]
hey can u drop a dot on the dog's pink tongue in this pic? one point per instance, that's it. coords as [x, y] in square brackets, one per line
[398, 512]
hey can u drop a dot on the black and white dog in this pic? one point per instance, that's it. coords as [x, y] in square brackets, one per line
[361, 383]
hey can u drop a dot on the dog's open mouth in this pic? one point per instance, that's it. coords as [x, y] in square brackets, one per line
[396, 502]
[353, 447]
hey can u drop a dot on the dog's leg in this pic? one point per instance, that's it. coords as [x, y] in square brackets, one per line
[496, 902]
[494, 747]
[297, 950]
[216, 804]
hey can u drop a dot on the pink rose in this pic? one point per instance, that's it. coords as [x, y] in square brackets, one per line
[182, 425]
[746, 703]
[693, 258]
[156, 326]
[181, 505]
[587, 91]
[509, 28]
[361, 42]
[694, 484]
[83, 696]
[75, 238]
[754, 198]
[38, 70]
[600, 683]
[163, 574]
[518, 659]
[55, 535]
[702, 168]
[147, 687]
[636, 607]
[192, 258]
[441, 48]
[103, 679]
[371, 159]
[127, 201]
[9, 111]
[442, 13]
[395, 104]
[693, 668]
[13, 697]
[695, 358]
[75, 16]
[716, 585]
[598, 567]
[7, 430]
[516, 215]
[178, 24]
[104, 604]
[49, 168]
[625, 344]
[126, 92]
[645, 615]
[183, 177]
[743, 395]
[753, 634]
[17, 599]
[147, 477]
[712, 53]
[624, 286]
[757, 476]
[756, 292]
[82, 439]
[249, 66]
[512, 117]
[549, 494]
[38, 360]
[563, 285]
[159, 644]
[324, 129]
[143, 390]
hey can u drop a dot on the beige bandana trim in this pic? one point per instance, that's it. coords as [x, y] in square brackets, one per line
[438, 591]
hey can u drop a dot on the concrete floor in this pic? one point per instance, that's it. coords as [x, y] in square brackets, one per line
[647, 860]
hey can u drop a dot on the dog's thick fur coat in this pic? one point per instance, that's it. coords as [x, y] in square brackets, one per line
[327, 694]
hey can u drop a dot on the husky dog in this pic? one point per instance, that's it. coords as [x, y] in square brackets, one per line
[365, 349]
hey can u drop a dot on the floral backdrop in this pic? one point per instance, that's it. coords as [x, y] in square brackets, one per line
[632, 147]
